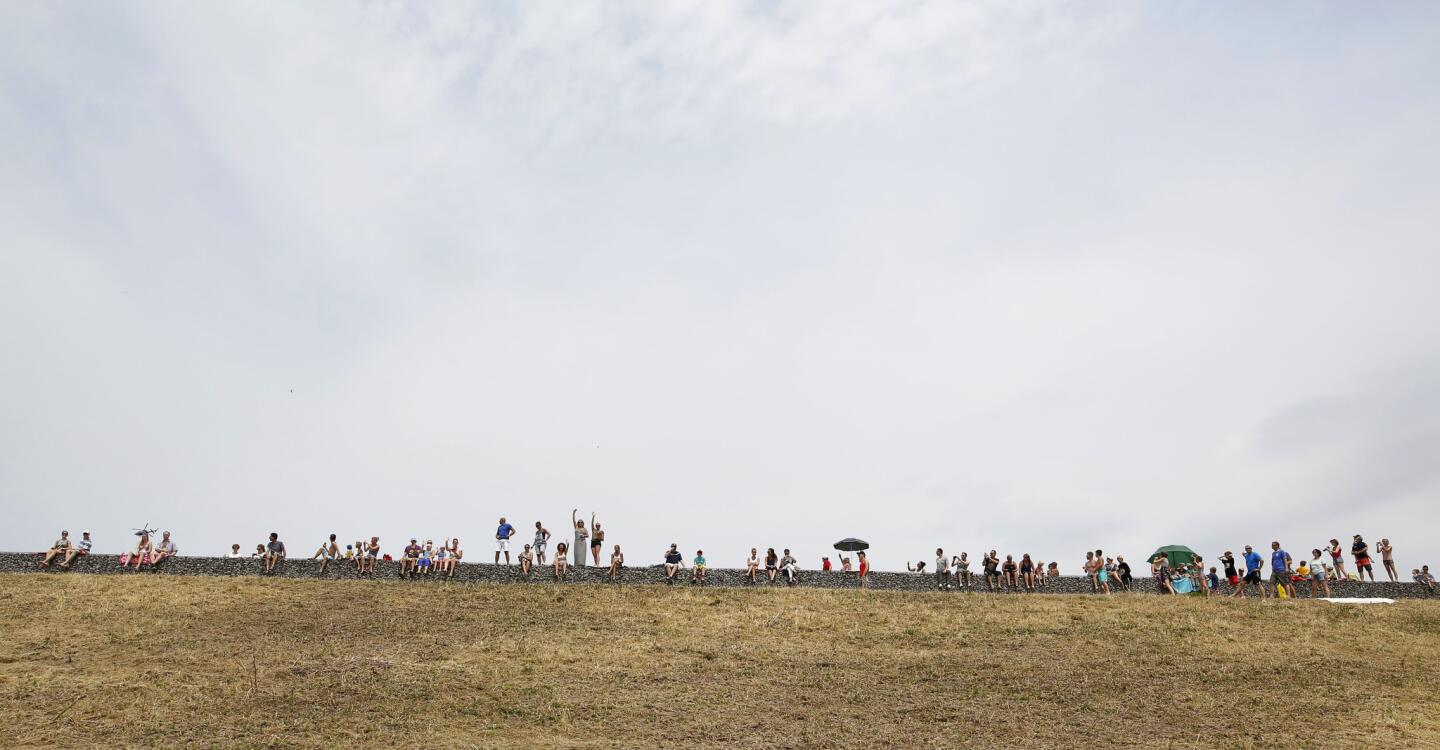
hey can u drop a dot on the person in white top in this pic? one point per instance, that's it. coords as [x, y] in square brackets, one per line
[79, 549]
[234, 551]
[942, 569]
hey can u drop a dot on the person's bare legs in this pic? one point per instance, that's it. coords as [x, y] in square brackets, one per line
[1390, 570]
[595, 553]
[54, 551]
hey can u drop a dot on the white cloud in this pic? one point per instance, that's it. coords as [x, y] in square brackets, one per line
[971, 274]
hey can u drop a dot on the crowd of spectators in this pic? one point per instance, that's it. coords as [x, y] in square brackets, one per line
[1323, 565]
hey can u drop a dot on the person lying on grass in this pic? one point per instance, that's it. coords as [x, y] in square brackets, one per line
[60, 547]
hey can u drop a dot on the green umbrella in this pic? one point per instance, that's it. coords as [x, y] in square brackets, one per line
[1177, 554]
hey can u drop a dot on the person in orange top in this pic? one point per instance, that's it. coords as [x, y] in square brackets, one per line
[864, 567]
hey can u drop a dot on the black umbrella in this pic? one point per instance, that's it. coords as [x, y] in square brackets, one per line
[852, 545]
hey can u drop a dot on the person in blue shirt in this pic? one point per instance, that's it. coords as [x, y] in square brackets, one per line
[1253, 563]
[502, 540]
[1280, 570]
[1214, 579]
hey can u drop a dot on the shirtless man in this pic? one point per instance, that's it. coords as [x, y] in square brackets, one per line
[1387, 558]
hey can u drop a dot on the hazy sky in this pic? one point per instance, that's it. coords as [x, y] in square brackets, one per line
[1037, 277]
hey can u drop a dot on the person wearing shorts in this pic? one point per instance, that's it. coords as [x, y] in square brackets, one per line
[372, 554]
[502, 540]
[1337, 560]
[1361, 551]
[82, 548]
[274, 552]
[674, 561]
[1280, 570]
[1160, 568]
[597, 540]
[1253, 564]
[697, 568]
[1232, 576]
[1387, 559]
[409, 558]
[542, 540]
[1317, 574]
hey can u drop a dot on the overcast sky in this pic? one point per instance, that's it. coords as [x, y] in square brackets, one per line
[1036, 277]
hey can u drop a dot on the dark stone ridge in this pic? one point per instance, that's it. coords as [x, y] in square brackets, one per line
[20, 562]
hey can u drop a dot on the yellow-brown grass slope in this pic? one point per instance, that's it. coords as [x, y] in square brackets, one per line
[158, 661]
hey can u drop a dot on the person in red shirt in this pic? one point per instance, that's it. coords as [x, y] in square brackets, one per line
[864, 567]
[825, 563]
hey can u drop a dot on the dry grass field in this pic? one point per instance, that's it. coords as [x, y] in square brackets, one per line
[152, 661]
